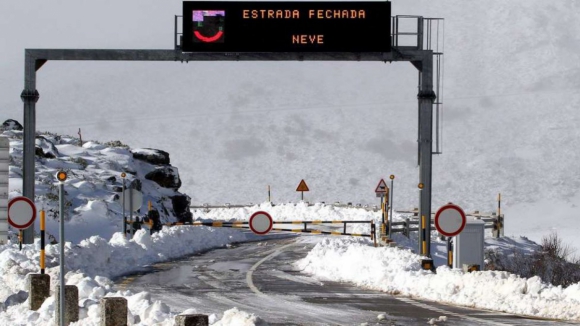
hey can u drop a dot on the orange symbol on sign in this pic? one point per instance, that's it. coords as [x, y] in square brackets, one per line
[302, 186]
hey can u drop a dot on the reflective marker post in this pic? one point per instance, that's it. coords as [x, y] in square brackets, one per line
[61, 176]
[42, 240]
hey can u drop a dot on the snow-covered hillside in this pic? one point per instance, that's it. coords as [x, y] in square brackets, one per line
[93, 188]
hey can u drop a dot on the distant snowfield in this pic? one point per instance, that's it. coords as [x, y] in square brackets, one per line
[94, 261]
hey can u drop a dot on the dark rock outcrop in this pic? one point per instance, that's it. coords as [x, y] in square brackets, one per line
[45, 148]
[136, 184]
[151, 156]
[166, 177]
[12, 124]
[181, 208]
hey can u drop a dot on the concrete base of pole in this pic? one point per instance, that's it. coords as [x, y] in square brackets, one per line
[191, 320]
[71, 304]
[113, 311]
[38, 289]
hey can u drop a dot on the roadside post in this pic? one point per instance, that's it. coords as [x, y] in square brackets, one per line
[131, 230]
[123, 204]
[42, 240]
[134, 203]
[422, 227]
[61, 176]
[382, 191]
[500, 221]
[392, 177]
[302, 187]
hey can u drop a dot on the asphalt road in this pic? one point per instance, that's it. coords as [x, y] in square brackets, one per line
[259, 278]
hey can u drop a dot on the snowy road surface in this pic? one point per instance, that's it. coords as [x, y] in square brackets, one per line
[259, 278]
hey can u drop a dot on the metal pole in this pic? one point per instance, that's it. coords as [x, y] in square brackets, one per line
[391, 206]
[387, 217]
[132, 232]
[124, 217]
[269, 198]
[426, 97]
[499, 217]
[29, 96]
[383, 212]
[42, 228]
[61, 236]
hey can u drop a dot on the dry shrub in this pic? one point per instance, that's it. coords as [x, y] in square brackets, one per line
[554, 262]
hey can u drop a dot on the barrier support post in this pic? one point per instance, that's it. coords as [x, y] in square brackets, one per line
[42, 229]
[449, 253]
[423, 238]
[373, 233]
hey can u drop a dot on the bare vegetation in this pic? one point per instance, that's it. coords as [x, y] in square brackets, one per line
[554, 262]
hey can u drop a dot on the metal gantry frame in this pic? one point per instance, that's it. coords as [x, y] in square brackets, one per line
[420, 57]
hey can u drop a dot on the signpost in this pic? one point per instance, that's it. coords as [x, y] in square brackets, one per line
[450, 220]
[382, 191]
[242, 26]
[261, 223]
[133, 204]
[61, 176]
[302, 187]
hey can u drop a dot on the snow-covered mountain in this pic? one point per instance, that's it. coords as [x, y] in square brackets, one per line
[512, 71]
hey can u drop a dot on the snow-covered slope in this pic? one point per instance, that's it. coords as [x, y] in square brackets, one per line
[93, 189]
[93, 261]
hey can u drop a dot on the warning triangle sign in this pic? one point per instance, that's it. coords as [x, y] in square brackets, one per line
[302, 186]
[382, 187]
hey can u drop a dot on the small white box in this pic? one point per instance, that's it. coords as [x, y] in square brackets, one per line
[468, 245]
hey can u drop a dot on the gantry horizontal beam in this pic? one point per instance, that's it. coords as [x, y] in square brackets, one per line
[398, 54]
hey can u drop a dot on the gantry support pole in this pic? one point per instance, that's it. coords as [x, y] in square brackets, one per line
[426, 98]
[29, 96]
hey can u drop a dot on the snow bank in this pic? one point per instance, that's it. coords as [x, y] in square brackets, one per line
[398, 271]
[93, 261]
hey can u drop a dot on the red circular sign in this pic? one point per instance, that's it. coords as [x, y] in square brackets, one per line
[450, 220]
[261, 223]
[21, 212]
